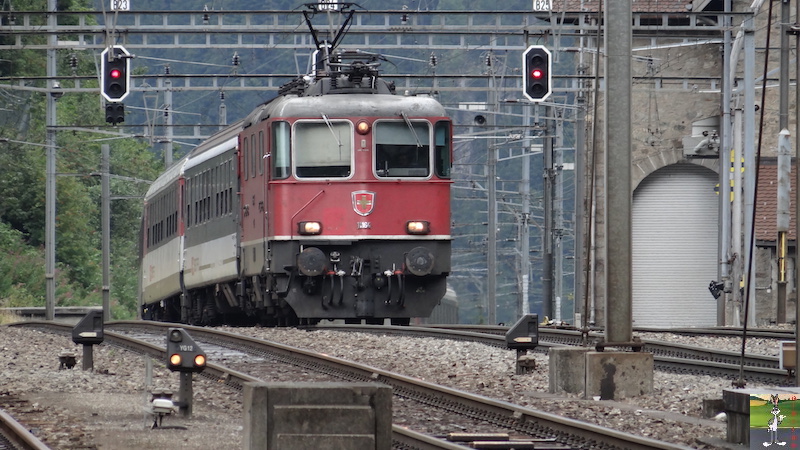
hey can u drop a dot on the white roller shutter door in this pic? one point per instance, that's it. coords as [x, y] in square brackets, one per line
[675, 247]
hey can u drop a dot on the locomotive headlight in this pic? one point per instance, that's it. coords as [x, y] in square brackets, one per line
[309, 228]
[362, 127]
[418, 227]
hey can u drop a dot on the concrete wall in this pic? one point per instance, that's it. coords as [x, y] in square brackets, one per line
[662, 114]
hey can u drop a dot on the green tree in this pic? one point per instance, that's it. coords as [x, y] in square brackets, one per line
[22, 187]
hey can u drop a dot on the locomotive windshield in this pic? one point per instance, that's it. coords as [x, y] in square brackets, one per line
[323, 149]
[402, 149]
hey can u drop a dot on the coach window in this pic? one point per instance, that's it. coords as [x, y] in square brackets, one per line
[246, 158]
[402, 149]
[187, 201]
[261, 153]
[207, 198]
[323, 149]
[254, 151]
[196, 200]
[442, 162]
[281, 137]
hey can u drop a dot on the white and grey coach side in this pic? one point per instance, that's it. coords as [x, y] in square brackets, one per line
[210, 205]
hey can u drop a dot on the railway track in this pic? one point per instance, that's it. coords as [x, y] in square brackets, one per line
[672, 357]
[765, 333]
[470, 408]
[14, 436]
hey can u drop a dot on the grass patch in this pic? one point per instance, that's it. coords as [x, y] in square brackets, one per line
[9, 317]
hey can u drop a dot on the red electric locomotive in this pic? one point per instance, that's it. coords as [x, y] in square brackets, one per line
[331, 201]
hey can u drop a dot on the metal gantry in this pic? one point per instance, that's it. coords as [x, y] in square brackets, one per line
[450, 34]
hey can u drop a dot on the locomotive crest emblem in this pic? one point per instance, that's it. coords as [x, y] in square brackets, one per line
[363, 202]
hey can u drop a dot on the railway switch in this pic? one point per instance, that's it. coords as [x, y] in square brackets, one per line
[183, 354]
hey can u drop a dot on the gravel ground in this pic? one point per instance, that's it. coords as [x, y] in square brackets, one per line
[105, 408]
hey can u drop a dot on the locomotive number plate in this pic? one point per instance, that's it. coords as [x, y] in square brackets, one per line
[364, 225]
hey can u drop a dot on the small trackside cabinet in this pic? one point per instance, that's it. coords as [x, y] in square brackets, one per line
[183, 355]
[89, 331]
[524, 335]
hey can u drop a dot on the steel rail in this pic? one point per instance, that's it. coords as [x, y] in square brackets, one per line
[14, 436]
[661, 348]
[223, 375]
[498, 412]
[522, 419]
[676, 358]
[766, 333]
[217, 374]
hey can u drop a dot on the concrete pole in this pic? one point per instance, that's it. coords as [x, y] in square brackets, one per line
[491, 235]
[724, 174]
[491, 238]
[796, 30]
[580, 197]
[547, 239]
[50, 175]
[619, 303]
[558, 217]
[749, 131]
[106, 231]
[525, 219]
[737, 267]
[783, 119]
[784, 191]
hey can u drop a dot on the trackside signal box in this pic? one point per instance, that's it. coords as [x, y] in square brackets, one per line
[183, 354]
[524, 335]
[89, 331]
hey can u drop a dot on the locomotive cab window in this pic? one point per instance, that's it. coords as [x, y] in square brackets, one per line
[323, 149]
[402, 149]
[281, 136]
[442, 149]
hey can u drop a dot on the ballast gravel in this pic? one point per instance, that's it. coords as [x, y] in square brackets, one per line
[107, 408]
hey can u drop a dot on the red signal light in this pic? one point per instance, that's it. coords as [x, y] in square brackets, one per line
[538, 72]
[115, 79]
